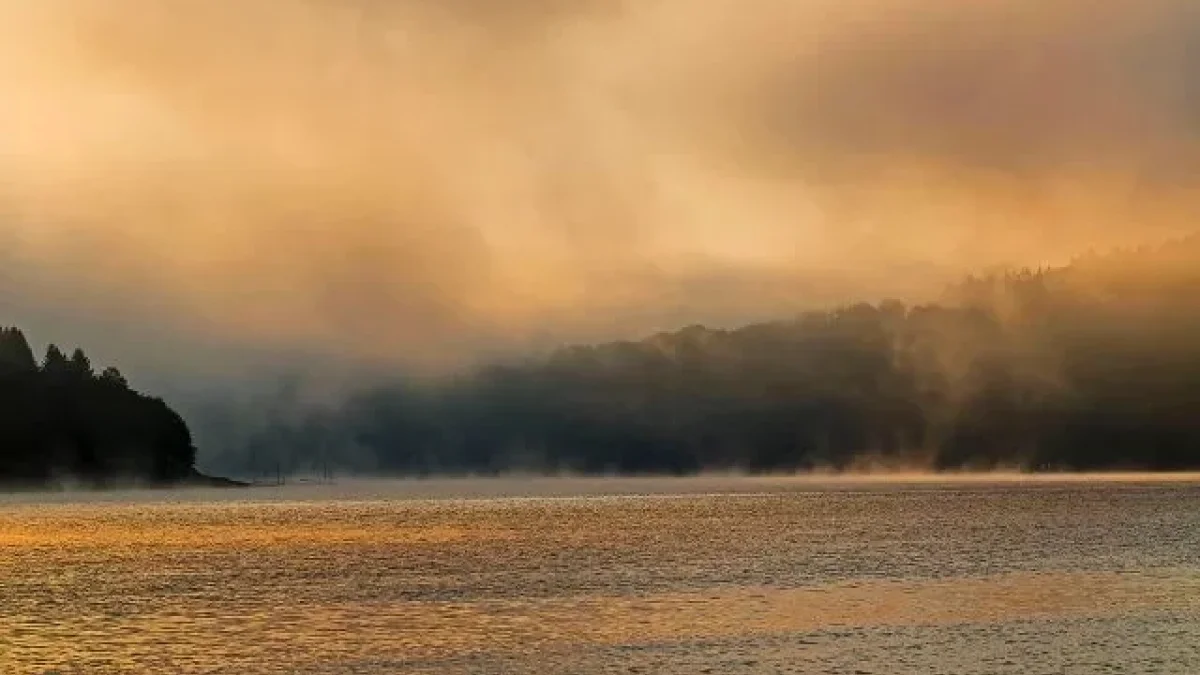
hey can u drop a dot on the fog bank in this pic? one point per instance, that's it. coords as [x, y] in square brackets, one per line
[194, 186]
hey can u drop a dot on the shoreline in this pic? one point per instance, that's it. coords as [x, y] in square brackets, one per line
[527, 485]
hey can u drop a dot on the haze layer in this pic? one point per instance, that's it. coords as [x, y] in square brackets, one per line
[420, 182]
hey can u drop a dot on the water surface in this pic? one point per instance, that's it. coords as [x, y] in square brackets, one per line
[717, 575]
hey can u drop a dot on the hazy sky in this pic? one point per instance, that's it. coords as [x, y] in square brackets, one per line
[422, 181]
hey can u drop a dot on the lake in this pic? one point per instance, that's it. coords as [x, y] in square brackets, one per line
[699, 575]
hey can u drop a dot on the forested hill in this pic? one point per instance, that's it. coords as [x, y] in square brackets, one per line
[62, 422]
[1092, 366]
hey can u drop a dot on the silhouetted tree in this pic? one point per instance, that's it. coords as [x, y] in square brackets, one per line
[81, 365]
[16, 357]
[113, 377]
[55, 362]
[61, 420]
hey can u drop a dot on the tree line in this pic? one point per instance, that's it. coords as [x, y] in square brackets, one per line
[1095, 365]
[60, 420]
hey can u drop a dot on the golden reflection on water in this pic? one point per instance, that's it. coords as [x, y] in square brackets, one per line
[70, 530]
[506, 586]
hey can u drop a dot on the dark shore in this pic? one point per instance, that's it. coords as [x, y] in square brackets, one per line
[197, 479]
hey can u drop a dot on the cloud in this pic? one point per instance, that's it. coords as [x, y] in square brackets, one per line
[423, 181]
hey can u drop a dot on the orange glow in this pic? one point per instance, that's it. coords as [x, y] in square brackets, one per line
[421, 181]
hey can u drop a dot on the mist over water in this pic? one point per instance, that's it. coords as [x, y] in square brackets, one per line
[516, 486]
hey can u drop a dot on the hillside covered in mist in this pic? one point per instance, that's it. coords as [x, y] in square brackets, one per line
[1095, 365]
[60, 421]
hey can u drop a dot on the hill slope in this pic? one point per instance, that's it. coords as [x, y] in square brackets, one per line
[1095, 365]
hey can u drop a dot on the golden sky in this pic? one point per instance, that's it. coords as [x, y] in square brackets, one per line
[423, 181]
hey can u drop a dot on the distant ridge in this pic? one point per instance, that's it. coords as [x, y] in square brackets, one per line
[1092, 366]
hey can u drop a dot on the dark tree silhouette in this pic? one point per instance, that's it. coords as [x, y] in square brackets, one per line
[60, 421]
[55, 364]
[16, 357]
[81, 365]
